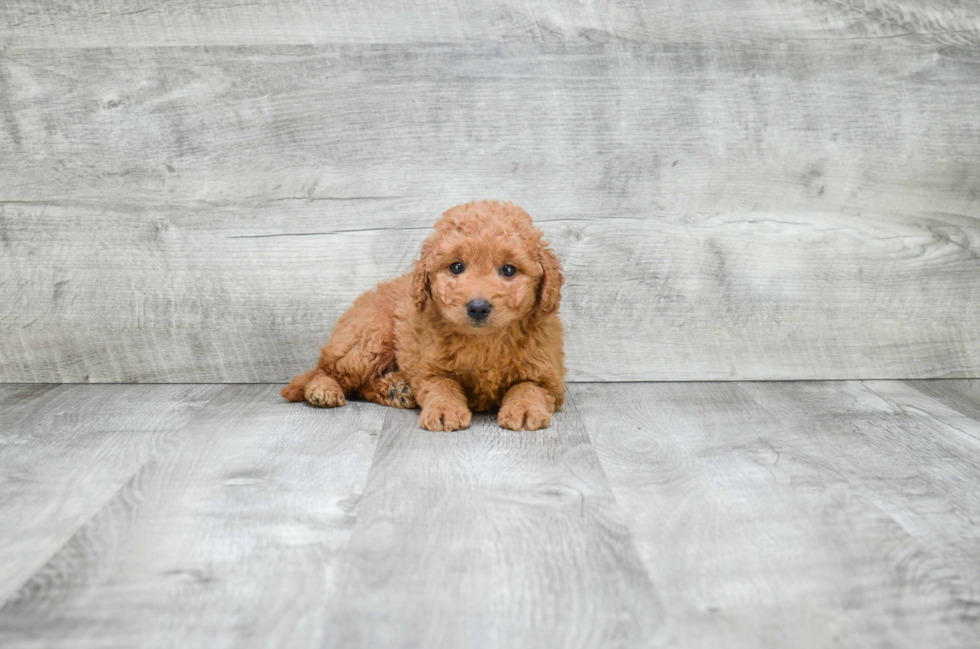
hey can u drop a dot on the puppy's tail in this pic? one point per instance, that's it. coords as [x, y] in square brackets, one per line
[296, 389]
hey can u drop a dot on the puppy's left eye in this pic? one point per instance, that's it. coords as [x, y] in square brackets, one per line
[456, 268]
[508, 271]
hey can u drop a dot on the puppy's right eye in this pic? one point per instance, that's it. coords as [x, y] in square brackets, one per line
[456, 268]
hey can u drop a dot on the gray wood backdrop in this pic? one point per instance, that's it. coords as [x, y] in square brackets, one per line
[739, 189]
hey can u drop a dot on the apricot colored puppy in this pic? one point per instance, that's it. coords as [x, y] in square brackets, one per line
[474, 326]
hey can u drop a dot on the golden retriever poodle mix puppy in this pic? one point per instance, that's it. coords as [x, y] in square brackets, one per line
[473, 326]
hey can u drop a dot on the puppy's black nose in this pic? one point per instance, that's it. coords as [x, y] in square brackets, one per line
[478, 310]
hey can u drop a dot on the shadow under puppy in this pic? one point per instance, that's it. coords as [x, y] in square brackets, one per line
[475, 325]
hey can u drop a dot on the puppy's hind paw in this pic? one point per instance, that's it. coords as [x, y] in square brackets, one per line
[399, 393]
[325, 392]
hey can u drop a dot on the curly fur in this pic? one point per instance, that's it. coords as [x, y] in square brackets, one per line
[409, 341]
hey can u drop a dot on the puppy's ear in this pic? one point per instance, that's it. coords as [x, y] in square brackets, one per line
[420, 279]
[549, 293]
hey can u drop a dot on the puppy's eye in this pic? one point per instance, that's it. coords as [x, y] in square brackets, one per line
[508, 271]
[456, 268]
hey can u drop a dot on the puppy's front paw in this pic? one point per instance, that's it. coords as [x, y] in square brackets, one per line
[445, 416]
[526, 416]
[325, 392]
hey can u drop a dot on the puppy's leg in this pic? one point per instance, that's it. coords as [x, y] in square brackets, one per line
[526, 406]
[296, 390]
[360, 349]
[443, 404]
[391, 389]
[317, 387]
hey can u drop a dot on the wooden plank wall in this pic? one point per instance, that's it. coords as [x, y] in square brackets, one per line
[759, 189]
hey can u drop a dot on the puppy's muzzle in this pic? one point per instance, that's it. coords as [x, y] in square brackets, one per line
[478, 310]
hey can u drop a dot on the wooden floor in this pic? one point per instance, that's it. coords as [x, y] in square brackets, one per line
[809, 514]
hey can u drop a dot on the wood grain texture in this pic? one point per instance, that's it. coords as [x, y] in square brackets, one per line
[765, 212]
[800, 514]
[231, 539]
[94, 23]
[66, 450]
[492, 538]
[916, 460]
[962, 395]
[793, 514]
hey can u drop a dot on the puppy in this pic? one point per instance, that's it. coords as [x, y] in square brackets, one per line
[474, 326]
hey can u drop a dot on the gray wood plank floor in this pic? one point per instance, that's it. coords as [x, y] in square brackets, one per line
[790, 514]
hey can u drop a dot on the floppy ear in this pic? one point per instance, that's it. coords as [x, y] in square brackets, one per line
[420, 279]
[549, 293]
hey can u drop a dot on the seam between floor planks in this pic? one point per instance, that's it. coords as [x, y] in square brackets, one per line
[961, 405]
[778, 462]
[283, 475]
[52, 405]
[452, 524]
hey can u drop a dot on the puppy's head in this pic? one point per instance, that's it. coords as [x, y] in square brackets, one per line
[486, 267]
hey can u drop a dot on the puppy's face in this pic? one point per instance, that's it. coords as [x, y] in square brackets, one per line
[485, 268]
[482, 287]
